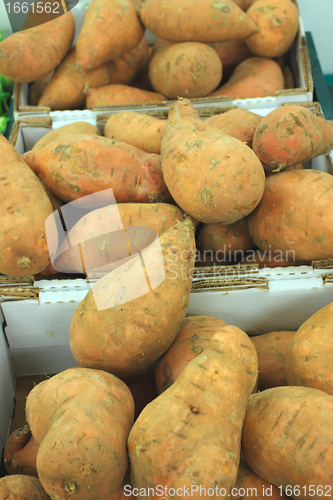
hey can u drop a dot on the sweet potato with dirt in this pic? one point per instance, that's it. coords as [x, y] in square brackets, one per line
[126, 68]
[271, 350]
[254, 77]
[196, 20]
[21, 452]
[188, 69]
[192, 339]
[21, 487]
[294, 219]
[288, 438]
[110, 28]
[24, 207]
[291, 134]
[239, 123]
[148, 318]
[68, 415]
[211, 176]
[29, 55]
[142, 131]
[66, 88]
[195, 442]
[111, 95]
[76, 165]
[249, 486]
[231, 53]
[278, 26]
[72, 128]
[309, 356]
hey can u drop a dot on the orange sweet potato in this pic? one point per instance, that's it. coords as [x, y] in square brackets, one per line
[231, 53]
[290, 220]
[119, 94]
[189, 427]
[271, 350]
[37, 88]
[250, 486]
[126, 68]
[24, 207]
[68, 415]
[29, 55]
[309, 357]
[239, 123]
[288, 439]
[142, 131]
[254, 77]
[72, 128]
[188, 69]
[196, 20]
[291, 134]
[76, 165]
[192, 339]
[111, 28]
[211, 176]
[20, 453]
[21, 487]
[278, 25]
[95, 338]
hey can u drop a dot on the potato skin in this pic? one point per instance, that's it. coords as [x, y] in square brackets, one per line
[309, 357]
[72, 128]
[21, 487]
[239, 123]
[24, 208]
[21, 452]
[290, 217]
[189, 69]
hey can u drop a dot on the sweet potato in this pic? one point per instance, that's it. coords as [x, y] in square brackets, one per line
[55, 201]
[20, 453]
[21, 487]
[37, 88]
[111, 28]
[289, 82]
[271, 350]
[294, 216]
[288, 439]
[192, 339]
[249, 486]
[68, 415]
[126, 68]
[76, 165]
[148, 324]
[119, 94]
[309, 357]
[231, 53]
[72, 128]
[24, 207]
[188, 69]
[239, 123]
[254, 77]
[291, 134]
[97, 252]
[211, 176]
[183, 439]
[142, 131]
[196, 20]
[29, 55]
[278, 25]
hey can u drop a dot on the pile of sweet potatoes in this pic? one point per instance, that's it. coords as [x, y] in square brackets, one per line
[234, 49]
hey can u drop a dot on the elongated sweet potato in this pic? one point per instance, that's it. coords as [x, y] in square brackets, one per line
[148, 324]
[142, 131]
[65, 90]
[29, 55]
[188, 69]
[119, 94]
[74, 166]
[21, 452]
[231, 53]
[239, 123]
[21, 487]
[294, 216]
[271, 350]
[288, 439]
[72, 128]
[309, 357]
[68, 415]
[278, 25]
[24, 207]
[210, 175]
[111, 28]
[126, 68]
[192, 339]
[251, 486]
[189, 427]
[196, 20]
[290, 135]
[254, 77]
